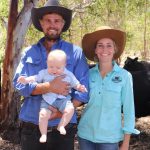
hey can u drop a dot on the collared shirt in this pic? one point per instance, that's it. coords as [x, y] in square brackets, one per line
[101, 121]
[33, 60]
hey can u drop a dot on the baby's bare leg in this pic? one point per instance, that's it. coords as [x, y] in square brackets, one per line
[43, 123]
[66, 117]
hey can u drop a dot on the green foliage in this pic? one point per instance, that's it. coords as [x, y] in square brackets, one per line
[2, 43]
[4, 6]
[32, 36]
[127, 15]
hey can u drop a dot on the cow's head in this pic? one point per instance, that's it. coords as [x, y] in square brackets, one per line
[132, 64]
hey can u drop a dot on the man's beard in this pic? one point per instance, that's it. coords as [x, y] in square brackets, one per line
[52, 37]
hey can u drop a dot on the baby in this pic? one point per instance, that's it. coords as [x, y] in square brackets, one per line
[56, 63]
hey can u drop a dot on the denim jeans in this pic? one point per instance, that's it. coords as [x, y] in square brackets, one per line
[55, 141]
[88, 145]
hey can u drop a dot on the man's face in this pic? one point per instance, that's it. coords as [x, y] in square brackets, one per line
[52, 25]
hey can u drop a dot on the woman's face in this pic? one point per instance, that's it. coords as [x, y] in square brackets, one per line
[105, 49]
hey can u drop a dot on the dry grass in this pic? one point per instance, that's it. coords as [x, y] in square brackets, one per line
[139, 142]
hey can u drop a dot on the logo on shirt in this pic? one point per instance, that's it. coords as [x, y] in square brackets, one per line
[116, 79]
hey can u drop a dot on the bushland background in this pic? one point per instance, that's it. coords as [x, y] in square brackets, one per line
[17, 32]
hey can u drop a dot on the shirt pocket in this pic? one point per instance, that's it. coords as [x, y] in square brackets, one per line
[93, 91]
[114, 88]
[93, 87]
[34, 65]
[112, 96]
[92, 83]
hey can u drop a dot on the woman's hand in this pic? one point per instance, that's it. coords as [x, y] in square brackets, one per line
[124, 147]
[125, 143]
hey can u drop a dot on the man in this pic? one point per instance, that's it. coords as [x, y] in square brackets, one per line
[52, 20]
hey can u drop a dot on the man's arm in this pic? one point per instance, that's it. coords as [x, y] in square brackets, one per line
[81, 72]
[55, 86]
[76, 103]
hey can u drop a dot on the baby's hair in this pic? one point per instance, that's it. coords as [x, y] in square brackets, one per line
[57, 54]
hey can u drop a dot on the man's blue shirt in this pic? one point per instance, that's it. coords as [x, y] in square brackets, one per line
[33, 60]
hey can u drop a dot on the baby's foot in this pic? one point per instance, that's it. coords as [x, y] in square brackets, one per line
[43, 138]
[62, 130]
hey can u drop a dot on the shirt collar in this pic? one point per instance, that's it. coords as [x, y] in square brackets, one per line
[40, 43]
[116, 68]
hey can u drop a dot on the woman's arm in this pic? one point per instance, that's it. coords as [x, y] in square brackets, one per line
[125, 143]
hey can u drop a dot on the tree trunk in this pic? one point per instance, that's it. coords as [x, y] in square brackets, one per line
[145, 53]
[17, 28]
[8, 61]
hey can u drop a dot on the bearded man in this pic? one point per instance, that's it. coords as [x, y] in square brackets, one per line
[52, 20]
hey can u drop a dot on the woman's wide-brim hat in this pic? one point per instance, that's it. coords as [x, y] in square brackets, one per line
[89, 41]
[52, 6]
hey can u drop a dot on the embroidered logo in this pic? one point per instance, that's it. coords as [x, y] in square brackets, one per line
[116, 79]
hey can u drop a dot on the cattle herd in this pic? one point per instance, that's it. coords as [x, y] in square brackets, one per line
[140, 71]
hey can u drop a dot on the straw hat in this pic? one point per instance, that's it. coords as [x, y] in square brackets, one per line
[52, 6]
[89, 41]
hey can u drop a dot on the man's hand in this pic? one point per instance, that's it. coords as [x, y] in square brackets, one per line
[76, 103]
[59, 87]
[55, 86]
[55, 113]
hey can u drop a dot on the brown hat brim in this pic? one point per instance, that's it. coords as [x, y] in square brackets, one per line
[89, 41]
[38, 13]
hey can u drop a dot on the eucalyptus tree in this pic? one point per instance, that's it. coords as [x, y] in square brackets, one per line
[19, 20]
[131, 16]
[3, 26]
[128, 15]
[18, 23]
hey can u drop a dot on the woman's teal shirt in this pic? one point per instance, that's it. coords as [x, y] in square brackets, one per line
[109, 113]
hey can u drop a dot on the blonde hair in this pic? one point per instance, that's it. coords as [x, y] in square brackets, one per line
[57, 54]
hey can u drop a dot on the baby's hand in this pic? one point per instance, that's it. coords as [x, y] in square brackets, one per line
[82, 88]
[22, 79]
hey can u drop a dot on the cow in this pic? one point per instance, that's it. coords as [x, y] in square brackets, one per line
[140, 71]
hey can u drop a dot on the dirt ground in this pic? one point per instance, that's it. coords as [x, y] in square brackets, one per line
[138, 142]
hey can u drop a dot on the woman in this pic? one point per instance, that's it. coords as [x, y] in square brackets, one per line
[109, 116]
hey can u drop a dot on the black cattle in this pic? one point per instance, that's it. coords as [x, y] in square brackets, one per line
[140, 71]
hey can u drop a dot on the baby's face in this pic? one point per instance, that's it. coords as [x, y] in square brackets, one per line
[56, 67]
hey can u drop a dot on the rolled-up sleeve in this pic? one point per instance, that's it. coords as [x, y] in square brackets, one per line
[128, 106]
[81, 72]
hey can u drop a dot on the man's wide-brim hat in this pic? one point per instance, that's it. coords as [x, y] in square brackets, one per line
[52, 6]
[89, 41]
